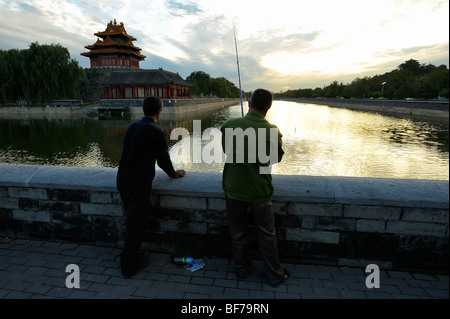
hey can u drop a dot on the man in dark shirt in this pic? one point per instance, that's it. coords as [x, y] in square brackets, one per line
[144, 145]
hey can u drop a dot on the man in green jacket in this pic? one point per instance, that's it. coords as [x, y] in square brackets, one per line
[251, 145]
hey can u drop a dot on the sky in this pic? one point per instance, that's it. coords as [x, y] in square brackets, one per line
[282, 44]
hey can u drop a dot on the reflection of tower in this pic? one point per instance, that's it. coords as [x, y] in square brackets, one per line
[114, 49]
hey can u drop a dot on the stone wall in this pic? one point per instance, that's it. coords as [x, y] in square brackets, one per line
[172, 106]
[420, 108]
[397, 224]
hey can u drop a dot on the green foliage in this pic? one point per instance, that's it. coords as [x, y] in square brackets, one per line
[410, 80]
[40, 73]
[204, 85]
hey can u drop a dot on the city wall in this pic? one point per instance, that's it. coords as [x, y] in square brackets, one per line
[404, 107]
[173, 106]
[397, 224]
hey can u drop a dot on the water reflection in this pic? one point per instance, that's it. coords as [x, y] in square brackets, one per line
[338, 142]
[318, 140]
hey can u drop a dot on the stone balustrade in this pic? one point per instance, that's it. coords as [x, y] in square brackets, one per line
[397, 224]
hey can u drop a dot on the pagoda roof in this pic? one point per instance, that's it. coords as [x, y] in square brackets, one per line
[113, 51]
[108, 42]
[111, 43]
[146, 77]
[114, 29]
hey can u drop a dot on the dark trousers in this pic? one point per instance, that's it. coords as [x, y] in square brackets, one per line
[263, 219]
[137, 207]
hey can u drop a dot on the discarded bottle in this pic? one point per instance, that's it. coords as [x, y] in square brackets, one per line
[198, 264]
[184, 260]
[190, 263]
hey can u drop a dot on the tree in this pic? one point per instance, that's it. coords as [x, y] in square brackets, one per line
[413, 66]
[334, 89]
[410, 79]
[205, 85]
[201, 83]
[42, 73]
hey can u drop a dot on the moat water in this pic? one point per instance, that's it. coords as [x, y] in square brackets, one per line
[317, 140]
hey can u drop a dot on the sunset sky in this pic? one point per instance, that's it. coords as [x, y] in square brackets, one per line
[283, 44]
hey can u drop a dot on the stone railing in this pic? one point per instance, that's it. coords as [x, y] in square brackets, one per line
[397, 224]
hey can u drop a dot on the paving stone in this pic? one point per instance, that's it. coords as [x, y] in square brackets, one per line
[170, 294]
[123, 290]
[105, 295]
[36, 269]
[146, 292]
[179, 278]
[216, 274]
[16, 285]
[202, 281]
[82, 294]
[413, 291]
[259, 294]
[100, 287]
[352, 294]
[57, 292]
[18, 295]
[94, 269]
[286, 295]
[38, 289]
[211, 291]
[233, 293]
[195, 296]
[297, 289]
[437, 293]
[326, 293]
[225, 283]
[251, 285]
[377, 295]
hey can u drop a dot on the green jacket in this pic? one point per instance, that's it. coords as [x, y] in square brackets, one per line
[242, 177]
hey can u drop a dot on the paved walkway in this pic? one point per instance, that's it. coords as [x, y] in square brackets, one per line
[37, 269]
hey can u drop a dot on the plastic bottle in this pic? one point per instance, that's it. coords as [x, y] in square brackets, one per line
[198, 264]
[184, 260]
[190, 263]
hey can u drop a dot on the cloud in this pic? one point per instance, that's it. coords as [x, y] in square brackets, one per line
[283, 44]
[178, 8]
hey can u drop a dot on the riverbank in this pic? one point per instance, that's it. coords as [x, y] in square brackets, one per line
[14, 112]
[422, 108]
[133, 106]
[171, 106]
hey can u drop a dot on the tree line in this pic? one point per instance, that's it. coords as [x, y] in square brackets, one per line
[39, 74]
[204, 85]
[410, 80]
[46, 72]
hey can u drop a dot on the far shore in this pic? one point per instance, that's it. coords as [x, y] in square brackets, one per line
[439, 109]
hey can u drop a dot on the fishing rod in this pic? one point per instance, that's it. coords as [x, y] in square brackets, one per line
[239, 74]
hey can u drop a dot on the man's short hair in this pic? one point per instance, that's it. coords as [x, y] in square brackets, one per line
[261, 99]
[152, 105]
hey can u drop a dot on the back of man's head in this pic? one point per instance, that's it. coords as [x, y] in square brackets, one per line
[151, 105]
[261, 100]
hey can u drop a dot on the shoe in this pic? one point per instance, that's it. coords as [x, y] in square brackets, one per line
[242, 276]
[243, 272]
[285, 277]
[141, 265]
